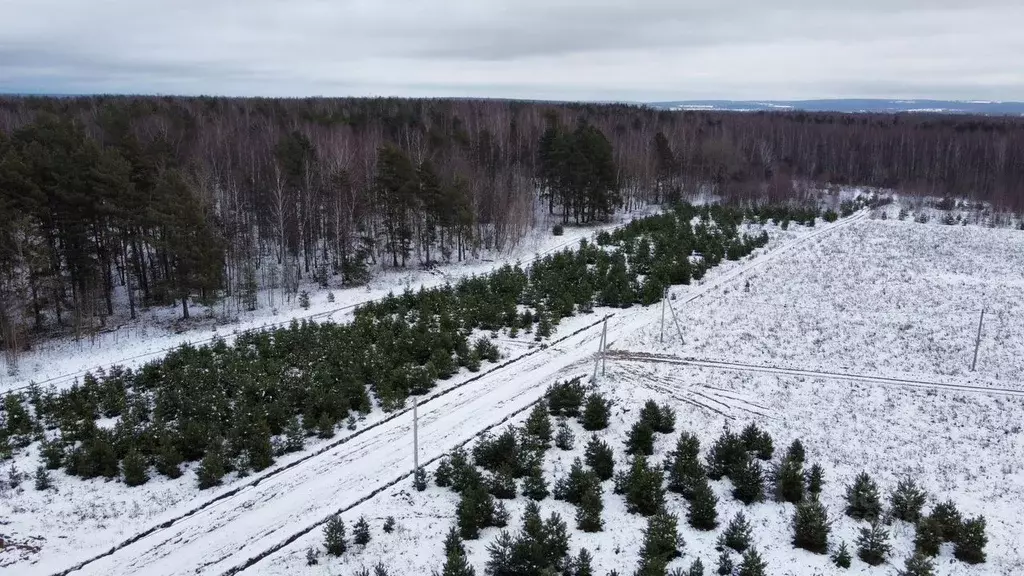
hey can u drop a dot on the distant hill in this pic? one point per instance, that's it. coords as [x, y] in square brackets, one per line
[852, 105]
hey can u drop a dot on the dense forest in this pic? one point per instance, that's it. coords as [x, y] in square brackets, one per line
[111, 204]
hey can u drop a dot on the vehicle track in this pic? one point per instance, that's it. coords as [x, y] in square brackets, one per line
[630, 356]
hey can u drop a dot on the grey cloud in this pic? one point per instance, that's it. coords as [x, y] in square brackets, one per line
[591, 49]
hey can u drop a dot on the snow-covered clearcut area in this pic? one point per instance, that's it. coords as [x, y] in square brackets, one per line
[959, 446]
[855, 337]
[957, 433]
[879, 297]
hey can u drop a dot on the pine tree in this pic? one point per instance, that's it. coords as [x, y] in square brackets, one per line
[642, 487]
[168, 461]
[736, 534]
[702, 514]
[841, 557]
[389, 525]
[661, 543]
[133, 468]
[917, 565]
[211, 468]
[789, 482]
[751, 437]
[811, 527]
[752, 564]
[928, 536]
[534, 485]
[640, 439]
[475, 511]
[43, 479]
[456, 565]
[815, 480]
[596, 411]
[361, 532]
[600, 459]
[685, 471]
[295, 436]
[582, 564]
[453, 543]
[419, 479]
[325, 426]
[970, 541]
[502, 485]
[334, 536]
[538, 424]
[52, 453]
[873, 544]
[660, 419]
[907, 501]
[748, 483]
[564, 438]
[588, 512]
[725, 566]
[796, 451]
[696, 568]
[312, 557]
[304, 300]
[948, 517]
[727, 456]
[862, 499]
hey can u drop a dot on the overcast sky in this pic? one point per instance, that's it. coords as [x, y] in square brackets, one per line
[644, 50]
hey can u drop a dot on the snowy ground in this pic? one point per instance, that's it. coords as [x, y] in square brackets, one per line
[60, 361]
[879, 297]
[965, 447]
[233, 522]
[905, 289]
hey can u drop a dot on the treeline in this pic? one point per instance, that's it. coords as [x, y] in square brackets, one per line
[236, 407]
[108, 204]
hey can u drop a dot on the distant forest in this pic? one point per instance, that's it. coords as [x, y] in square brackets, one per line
[110, 204]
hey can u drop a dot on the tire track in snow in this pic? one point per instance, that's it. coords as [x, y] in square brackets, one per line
[627, 356]
[253, 560]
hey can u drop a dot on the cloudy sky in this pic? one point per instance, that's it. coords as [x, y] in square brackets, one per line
[644, 50]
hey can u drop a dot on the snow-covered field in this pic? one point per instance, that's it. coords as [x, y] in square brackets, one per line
[903, 290]
[968, 448]
[879, 297]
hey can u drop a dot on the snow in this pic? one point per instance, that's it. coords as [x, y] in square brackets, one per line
[836, 321]
[879, 297]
